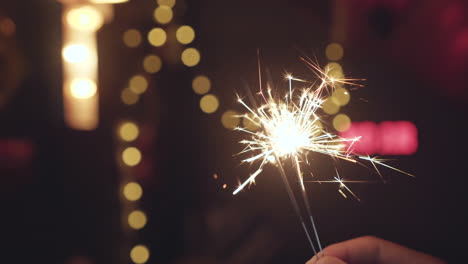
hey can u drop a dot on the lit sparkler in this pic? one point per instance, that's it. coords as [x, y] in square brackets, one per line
[290, 129]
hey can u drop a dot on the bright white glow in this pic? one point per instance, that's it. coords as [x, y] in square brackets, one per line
[75, 53]
[85, 18]
[83, 88]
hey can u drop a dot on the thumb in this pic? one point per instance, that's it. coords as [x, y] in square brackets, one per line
[330, 260]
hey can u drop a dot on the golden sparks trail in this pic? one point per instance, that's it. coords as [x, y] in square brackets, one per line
[290, 128]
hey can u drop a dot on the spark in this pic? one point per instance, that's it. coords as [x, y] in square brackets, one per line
[290, 129]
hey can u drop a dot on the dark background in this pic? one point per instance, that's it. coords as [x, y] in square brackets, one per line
[64, 200]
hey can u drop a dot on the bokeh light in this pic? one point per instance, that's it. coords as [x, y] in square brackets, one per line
[86, 18]
[330, 107]
[138, 84]
[248, 122]
[128, 131]
[139, 254]
[131, 156]
[201, 84]
[230, 119]
[163, 14]
[341, 122]
[169, 3]
[209, 103]
[83, 88]
[128, 97]
[157, 37]
[75, 53]
[190, 57]
[152, 63]
[334, 51]
[334, 70]
[132, 38]
[137, 219]
[132, 191]
[341, 96]
[185, 34]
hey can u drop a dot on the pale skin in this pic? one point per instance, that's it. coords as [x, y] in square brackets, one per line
[371, 250]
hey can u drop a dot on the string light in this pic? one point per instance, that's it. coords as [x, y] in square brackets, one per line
[131, 156]
[152, 64]
[85, 18]
[132, 191]
[139, 254]
[128, 131]
[201, 84]
[209, 103]
[185, 34]
[83, 88]
[132, 38]
[157, 37]
[75, 53]
[190, 57]
[163, 14]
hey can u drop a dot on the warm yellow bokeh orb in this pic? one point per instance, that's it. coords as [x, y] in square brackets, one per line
[190, 57]
[169, 3]
[163, 14]
[83, 88]
[209, 103]
[341, 96]
[334, 51]
[132, 191]
[250, 122]
[128, 131]
[139, 254]
[334, 70]
[137, 219]
[201, 84]
[86, 18]
[330, 107]
[185, 34]
[131, 156]
[132, 38]
[152, 63]
[75, 53]
[128, 97]
[138, 84]
[157, 37]
[230, 119]
[341, 122]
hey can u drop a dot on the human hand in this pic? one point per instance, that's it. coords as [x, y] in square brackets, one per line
[371, 250]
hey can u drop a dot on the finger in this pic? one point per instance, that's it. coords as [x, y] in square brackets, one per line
[374, 250]
[330, 260]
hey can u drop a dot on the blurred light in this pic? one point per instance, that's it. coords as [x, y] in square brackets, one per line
[83, 88]
[128, 131]
[230, 119]
[131, 156]
[139, 254]
[334, 70]
[137, 220]
[398, 138]
[75, 53]
[387, 138]
[132, 38]
[85, 18]
[334, 51]
[138, 84]
[201, 84]
[341, 96]
[132, 191]
[190, 57]
[330, 107]
[163, 14]
[249, 124]
[152, 64]
[157, 37]
[108, 1]
[185, 34]
[7, 26]
[209, 103]
[341, 122]
[128, 97]
[169, 3]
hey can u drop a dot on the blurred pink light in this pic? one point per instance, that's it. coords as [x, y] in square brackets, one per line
[386, 138]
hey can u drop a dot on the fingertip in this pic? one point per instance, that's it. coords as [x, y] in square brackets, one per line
[313, 260]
